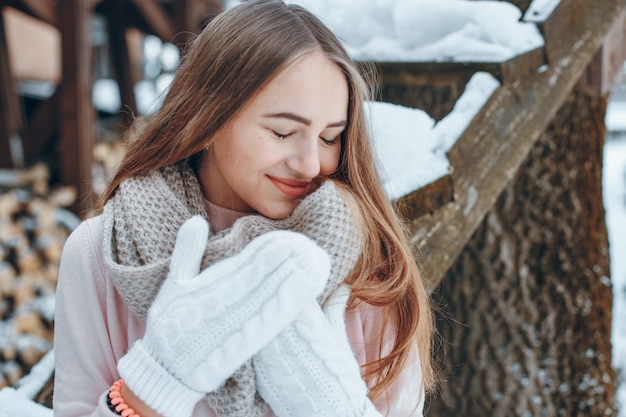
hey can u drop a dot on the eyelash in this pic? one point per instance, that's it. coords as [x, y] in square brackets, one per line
[280, 135]
[328, 142]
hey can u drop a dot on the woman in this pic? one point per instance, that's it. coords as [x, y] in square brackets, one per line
[300, 297]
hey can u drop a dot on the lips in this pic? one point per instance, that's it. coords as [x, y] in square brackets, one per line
[290, 187]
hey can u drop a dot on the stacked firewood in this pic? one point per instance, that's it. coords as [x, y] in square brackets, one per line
[34, 224]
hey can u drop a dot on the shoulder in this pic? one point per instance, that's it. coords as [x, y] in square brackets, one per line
[88, 232]
[83, 247]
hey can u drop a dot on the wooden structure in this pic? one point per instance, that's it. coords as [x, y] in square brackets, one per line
[69, 113]
[513, 242]
[583, 44]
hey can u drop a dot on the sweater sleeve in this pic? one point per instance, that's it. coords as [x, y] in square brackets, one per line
[372, 338]
[85, 358]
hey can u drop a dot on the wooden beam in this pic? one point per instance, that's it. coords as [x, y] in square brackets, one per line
[43, 10]
[569, 17]
[496, 143]
[77, 128]
[43, 124]
[608, 65]
[186, 22]
[155, 16]
[427, 199]
[10, 112]
[118, 48]
[434, 73]
[189, 18]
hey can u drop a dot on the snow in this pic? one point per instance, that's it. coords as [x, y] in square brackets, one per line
[411, 148]
[18, 401]
[614, 194]
[477, 91]
[14, 403]
[540, 10]
[425, 30]
[31, 384]
[615, 119]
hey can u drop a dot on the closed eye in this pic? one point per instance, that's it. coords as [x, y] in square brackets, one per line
[330, 142]
[281, 135]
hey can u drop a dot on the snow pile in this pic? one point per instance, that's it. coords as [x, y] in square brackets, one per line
[19, 402]
[410, 148]
[425, 30]
[615, 119]
[540, 10]
[614, 195]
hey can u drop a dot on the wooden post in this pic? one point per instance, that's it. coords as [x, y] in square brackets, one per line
[607, 65]
[529, 299]
[117, 25]
[10, 113]
[42, 126]
[188, 18]
[77, 113]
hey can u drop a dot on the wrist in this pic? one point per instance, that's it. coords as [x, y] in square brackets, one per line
[154, 386]
[116, 401]
[136, 404]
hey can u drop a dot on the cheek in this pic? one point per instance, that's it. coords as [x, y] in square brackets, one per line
[329, 160]
[234, 151]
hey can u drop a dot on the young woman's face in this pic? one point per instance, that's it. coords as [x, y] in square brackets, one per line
[287, 136]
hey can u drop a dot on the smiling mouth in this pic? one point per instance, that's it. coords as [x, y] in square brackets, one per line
[291, 188]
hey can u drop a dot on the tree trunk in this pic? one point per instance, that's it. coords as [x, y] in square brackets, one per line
[526, 308]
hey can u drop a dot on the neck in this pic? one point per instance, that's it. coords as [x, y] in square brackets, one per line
[222, 218]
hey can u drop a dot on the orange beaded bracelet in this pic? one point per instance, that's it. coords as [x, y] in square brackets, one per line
[116, 401]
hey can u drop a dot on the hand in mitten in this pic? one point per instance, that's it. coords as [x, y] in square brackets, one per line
[203, 325]
[309, 368]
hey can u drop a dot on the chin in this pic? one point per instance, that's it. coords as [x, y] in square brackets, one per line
[278, 213]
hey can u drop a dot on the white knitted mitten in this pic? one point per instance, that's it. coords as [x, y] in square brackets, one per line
[203, 325]
[309, 369]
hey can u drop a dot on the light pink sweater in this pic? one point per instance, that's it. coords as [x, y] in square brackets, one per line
[94, 328]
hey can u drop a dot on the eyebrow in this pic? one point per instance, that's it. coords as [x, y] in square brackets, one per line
[303, 120]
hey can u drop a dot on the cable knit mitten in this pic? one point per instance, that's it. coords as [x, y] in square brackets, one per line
[203, 325]
[309, 369]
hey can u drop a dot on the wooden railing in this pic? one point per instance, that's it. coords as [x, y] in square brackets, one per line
[580, 36]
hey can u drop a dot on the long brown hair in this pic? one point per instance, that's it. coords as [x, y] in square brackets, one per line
[237, 54]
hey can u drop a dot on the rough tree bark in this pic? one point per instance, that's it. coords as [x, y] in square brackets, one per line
[527, 305]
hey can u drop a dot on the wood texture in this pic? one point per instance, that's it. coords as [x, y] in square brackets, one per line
[77, 129]
[426, 200]
[43, 10]
[492, 148]
[116, 28]
[158, 20]
[10, 113]
[528, 301]
[607, 66]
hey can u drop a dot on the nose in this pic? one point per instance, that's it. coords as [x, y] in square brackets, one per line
[305, 158]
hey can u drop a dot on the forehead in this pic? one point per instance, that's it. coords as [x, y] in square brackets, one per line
[312, 85]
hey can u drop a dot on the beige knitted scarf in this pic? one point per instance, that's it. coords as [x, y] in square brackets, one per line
[140, 226]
